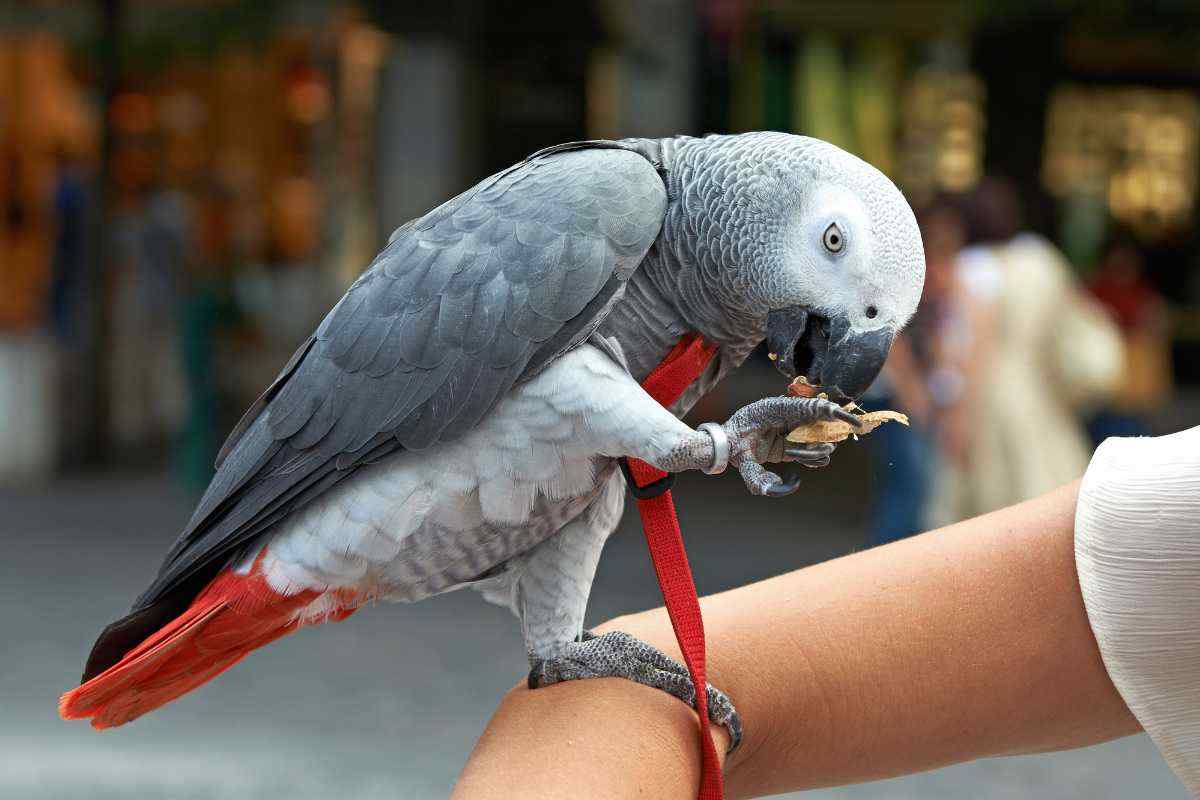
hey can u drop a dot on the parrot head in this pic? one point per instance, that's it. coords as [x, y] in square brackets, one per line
[827, 259]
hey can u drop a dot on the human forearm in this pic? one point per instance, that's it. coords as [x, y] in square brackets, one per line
[963, 643]
[602, 738]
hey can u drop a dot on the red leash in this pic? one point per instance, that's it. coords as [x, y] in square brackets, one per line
[652, 488]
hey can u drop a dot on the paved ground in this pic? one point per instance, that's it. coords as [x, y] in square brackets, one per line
[388, 703]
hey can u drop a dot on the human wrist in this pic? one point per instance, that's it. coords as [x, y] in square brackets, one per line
[654, 628]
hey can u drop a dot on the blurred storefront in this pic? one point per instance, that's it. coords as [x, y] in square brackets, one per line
[183, 199]
[190, 185]
[181, 240]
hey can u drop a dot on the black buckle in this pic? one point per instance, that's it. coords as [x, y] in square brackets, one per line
[650, 490]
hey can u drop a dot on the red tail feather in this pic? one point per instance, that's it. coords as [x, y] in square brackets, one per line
[232, 616]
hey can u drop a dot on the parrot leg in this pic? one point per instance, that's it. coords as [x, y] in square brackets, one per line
[550, 596]
[757, 434]
[554, 579]
[619, 655]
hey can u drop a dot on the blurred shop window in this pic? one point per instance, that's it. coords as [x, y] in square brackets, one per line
[47, 141]
[44, 120]
[943, 129]
[1133, 147]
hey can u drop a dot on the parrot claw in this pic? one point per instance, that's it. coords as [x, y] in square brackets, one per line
[757, 434]
[810, 455]
[619, 655]
[783, 488]
[761, 481]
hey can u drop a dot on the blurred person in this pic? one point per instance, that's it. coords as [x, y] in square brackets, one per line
[1140, 311]
[29, 438]
[69, 262]
[205, 308]
[152, 239]
[68, 312]
[918, 379]
[1036, 349]
[288, 293]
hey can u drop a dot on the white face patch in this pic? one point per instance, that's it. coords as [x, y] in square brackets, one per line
[828, 253]
[854, 249]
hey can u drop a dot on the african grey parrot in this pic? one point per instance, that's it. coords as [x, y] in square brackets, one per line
[456, 419]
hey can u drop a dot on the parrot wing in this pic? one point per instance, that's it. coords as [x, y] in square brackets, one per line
[481, 292]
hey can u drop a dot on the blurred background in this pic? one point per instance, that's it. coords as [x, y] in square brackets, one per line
[186, 186]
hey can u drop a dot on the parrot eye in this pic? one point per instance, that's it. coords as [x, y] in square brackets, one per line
[833, 239]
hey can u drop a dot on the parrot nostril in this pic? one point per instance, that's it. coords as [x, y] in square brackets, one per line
[872, 312]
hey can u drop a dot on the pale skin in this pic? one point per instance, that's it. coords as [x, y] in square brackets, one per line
[966, 642]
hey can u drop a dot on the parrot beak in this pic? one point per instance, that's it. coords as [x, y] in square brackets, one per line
[785, 329]
[833, 357]
[853, 361]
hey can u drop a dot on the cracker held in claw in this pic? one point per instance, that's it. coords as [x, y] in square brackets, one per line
[835, 430]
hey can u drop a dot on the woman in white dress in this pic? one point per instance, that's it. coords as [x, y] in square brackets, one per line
[1035, 350]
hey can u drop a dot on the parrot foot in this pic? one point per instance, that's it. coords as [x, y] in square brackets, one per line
[758, 434]
[619, 655]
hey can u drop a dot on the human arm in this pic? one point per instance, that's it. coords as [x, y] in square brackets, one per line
[966, 642]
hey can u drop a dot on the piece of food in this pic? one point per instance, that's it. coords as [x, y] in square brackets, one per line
[802, 388]
[836, 430]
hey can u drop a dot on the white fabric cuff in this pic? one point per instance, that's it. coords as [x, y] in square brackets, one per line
[1137, 551]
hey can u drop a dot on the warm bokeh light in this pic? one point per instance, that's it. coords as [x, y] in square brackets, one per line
[943, 132]
[1134, 146]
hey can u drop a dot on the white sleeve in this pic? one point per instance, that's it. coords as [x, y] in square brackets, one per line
[1137, 551]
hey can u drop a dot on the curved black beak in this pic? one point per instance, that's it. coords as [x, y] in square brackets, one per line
[841, 361]
[853, 363]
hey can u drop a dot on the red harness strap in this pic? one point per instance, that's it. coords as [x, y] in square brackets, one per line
[651, 486]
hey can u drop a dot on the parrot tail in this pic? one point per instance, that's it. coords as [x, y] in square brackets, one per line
[233, 615]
